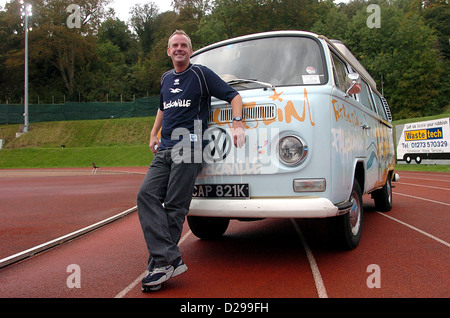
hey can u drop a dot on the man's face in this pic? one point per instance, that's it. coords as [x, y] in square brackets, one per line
[179, 50]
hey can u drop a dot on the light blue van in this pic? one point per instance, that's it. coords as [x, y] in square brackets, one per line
[319, 136]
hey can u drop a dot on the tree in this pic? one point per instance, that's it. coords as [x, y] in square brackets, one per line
[437, 15]
[148, 71]
[403, 51]
[102, 57]
[118, 33]
[189, 16]
[54, 42]
[11, 53]
[143, 22]
[333, 23]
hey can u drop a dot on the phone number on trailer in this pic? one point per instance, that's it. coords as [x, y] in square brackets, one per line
[426, 144]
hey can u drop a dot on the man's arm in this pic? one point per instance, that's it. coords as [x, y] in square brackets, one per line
[154, 140]
[238, 126]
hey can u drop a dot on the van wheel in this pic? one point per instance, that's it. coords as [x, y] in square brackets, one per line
[345, 230]
[208, 228]
[383, 197]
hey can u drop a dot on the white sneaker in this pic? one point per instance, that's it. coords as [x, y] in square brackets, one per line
[159, 275]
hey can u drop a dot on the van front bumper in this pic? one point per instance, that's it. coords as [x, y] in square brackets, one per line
[301, 207]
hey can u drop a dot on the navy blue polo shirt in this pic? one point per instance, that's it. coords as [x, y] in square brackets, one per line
[186, 97]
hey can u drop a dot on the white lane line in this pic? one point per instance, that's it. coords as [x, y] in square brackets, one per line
[140, 277]
[60, 240]
[416, 229]
[425, 179]
[131, 286]
[424, 199]
[415, 176]
[320, 286]
[423, 186]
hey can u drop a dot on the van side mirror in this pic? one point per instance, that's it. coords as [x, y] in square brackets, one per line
[354, 81]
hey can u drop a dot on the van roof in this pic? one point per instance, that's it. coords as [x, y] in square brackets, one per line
[338, 45]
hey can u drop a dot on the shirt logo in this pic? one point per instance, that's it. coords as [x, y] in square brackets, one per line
[176, 82]
[175, 90]
[177, 103]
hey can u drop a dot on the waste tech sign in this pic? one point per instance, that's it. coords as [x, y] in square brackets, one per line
[424, 140]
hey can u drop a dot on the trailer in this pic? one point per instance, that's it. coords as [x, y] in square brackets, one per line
[425, 140]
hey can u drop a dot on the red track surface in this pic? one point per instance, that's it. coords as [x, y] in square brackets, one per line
[254, 260]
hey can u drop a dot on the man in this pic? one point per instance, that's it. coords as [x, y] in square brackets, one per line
[166, 192]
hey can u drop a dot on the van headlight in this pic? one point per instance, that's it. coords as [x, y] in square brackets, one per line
[292, 150]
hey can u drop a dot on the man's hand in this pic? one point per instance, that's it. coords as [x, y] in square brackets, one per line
[238, 126]
[154, 144]
[239, 137]
[154, 140]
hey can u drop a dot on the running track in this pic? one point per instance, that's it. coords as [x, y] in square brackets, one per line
[405, 250]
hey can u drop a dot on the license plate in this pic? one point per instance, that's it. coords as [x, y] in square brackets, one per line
[237, 190]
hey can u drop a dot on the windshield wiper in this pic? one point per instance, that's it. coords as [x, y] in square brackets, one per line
[241, 81]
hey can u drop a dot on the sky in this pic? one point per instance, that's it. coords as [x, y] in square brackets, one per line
[122, 7]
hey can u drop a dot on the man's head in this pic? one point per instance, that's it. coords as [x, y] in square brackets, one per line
[179, 49]
[180, 32]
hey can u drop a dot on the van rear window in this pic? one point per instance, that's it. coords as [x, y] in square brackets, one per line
[279, 61]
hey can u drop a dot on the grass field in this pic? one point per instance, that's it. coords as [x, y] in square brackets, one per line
[108, 143]
[113, 156]
[423, 167]
[111, 142]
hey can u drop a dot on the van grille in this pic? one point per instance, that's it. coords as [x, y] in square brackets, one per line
[250, 113]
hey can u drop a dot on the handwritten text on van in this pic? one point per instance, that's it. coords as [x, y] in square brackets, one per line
[286, 114]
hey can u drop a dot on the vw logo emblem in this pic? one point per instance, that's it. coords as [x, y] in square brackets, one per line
[220, 144]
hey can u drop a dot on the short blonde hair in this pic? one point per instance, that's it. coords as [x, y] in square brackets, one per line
[180, 32]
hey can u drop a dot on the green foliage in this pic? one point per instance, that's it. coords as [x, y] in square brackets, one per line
[110, 142]
[109, 59]
[403, 53]
[80, 133]
[123, 156]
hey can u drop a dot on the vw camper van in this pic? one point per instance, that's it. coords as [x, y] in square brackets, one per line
[319, 136]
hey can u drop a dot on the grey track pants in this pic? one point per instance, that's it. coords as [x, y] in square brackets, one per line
[163, 202]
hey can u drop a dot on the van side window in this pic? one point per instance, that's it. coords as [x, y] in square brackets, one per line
[339, 72]
[379, 105]
[364, 96]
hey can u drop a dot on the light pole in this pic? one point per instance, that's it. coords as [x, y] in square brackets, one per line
[26, 12]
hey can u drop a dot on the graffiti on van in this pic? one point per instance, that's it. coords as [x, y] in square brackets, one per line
[255, 114]
[340, 113]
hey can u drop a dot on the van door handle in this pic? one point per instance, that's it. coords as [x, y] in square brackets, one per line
[365, 127]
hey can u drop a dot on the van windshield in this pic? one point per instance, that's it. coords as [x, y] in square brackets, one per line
[278, 61]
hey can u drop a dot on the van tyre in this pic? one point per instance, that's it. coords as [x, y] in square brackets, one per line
[345, 230]
[208, 228]
[383, 197]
